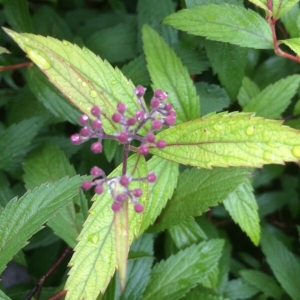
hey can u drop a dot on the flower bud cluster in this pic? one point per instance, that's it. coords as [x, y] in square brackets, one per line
[119, 188]
[161, 114]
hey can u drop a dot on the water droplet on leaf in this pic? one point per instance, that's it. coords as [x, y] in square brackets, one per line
[93, 93]
[84, 84]
[296, 151]
[39, 58]
[92, 212]
[250, 130]
[217, 128]
[268, 156]
[65, 43]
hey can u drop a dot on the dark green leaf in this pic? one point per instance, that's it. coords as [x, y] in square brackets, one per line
[15, 138]
[239, 289]
[197, 190]
[284, 264]
[120, 43]
[228, 62]
[52, 99]
[17, 14]
[247, 91]
[49, 163]
[20, 219]
[224, 23]
[172, 278]
[212, 97]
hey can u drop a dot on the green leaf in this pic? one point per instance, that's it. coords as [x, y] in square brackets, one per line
[48, 22]
[212, 97]
[197, 190]
[228, 62]
[280, 7]
[224, 23]
[247, 92]
[281, 93]
[262, 4]
[190, 3]
[263, 282]
[17, 15]
[94, 261]
[120, 42]
[4, 50]
[284, 264]
[270, 202]
[187, 233]
[84, 78]
[234, 139]
[5, 192]
[291, 21]
[20, 219]
[294, 44]
[153, 12]
[49, 163]
[168, 73]
[51, 98]
[139, 269]
[15, 138]
[240, 289]
[242, 207]
[136, 70]
[3, 296]
[172, 278]
[161, 190]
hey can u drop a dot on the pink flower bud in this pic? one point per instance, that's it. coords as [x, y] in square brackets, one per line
[116, 117]
[96, 147]
[151, 177]
[96, 111]
[83, 119]
[121, 107]
[76, 139]
[116, 206]
[138, 207]
[144, 150]
[86, 185]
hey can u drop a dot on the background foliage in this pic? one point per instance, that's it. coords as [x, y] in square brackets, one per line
[206, 233]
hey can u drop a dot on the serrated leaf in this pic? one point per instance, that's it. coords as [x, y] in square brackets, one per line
[212, 97]
[49, 163]
[51, 98]
[187, 233]
[247, 92]
[5, 191]
[242, 207]
[197, 190]
[263, 282]
[281, 93]
[168, 73]
[280, 7]
[294, 44]
[190, 3]
[15, 138]
[172, 278]
[228, 62]
[94, 261]
[224, 23]
[284, 264]
[234, 139]
[291, 22]
[84, 78]
[239, 289]
[160, 191]
[20, 219]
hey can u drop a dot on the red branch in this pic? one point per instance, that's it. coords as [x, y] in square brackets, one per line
[18, 66]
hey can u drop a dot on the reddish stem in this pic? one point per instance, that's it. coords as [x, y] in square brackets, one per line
[17, 66]
[272, 22]
[38, 287]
